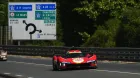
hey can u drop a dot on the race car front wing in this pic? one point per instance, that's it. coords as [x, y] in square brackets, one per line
[69, 65]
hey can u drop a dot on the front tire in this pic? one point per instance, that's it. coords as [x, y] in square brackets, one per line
[54, 66]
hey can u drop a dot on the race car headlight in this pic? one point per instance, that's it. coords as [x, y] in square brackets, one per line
[60, 64]
[64, 63]
[3, 56]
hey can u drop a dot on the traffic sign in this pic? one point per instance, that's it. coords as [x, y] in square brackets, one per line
[36, 21]
[18, 14]
[20, 7]
[47, 16]
[45, 6]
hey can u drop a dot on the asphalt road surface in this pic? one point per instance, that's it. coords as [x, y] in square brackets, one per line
[41, 68]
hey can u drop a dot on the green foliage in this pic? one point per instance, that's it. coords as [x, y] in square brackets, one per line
[104, 36]
[131, 16]
[129, 31]
[98, 39]
[117, 22]
[84, 35]
[94, 8]
[44, 43]
[2, 13]
[123, 32]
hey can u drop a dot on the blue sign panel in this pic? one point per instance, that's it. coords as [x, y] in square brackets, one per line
[20, 7]
[45, 6]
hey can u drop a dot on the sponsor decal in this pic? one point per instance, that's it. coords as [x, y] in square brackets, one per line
[78, 60]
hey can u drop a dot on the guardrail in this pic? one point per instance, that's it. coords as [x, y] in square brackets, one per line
[122, 54]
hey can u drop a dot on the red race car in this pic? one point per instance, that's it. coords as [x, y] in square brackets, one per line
[74, 58]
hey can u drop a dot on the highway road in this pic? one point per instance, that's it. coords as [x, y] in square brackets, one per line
[41, 68]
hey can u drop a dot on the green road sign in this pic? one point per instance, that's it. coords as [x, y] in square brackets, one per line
[38, 15]
[47, 16]
[18, 14]
[49, 21]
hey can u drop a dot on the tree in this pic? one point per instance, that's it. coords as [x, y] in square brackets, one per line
[104, 36]
[128, 35]
[95, 8]
[107, 15]
[3, 15]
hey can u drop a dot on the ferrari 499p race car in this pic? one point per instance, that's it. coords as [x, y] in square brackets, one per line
[74, 59]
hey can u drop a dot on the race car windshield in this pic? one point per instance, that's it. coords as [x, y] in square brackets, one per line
[74, 55]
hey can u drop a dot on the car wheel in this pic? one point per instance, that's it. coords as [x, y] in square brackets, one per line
[95, 67]
[54, 66]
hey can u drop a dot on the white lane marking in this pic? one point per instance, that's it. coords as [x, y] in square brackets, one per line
[7, 73]
[117, 72]
[30, 57]
[19, 75]
[30, 63]
[30, 77]
[91, 69]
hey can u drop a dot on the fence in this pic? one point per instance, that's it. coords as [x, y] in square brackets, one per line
[122, 54]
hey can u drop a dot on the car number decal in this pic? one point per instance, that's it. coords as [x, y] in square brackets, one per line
[78, 60]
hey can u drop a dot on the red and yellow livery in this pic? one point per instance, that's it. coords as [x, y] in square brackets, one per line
[74, 59]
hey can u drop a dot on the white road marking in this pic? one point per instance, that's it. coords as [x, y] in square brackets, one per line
[7, 73]
[30, 77]
[117, 72]
[30, 57]
[30, 63]
[91, 69]
[19, 75]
